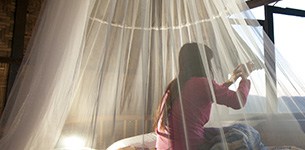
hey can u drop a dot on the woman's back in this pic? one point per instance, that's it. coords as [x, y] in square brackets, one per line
[186, 128]
[196, 104]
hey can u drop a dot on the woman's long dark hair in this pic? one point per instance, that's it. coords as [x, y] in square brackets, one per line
[190, 65]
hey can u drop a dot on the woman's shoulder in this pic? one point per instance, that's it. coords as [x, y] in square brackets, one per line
[199, 79]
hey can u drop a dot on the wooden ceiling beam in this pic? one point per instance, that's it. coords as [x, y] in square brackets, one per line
[257, 3]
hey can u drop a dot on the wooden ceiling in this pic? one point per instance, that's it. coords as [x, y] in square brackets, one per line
[257, 3]
[17, 19]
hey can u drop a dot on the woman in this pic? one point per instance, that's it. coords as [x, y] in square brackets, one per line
[182, 126]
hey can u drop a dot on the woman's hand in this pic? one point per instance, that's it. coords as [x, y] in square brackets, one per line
[247, 69]
[242, 70]
[235, 75]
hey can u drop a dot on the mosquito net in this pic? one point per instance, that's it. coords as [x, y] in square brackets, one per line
[98, 73]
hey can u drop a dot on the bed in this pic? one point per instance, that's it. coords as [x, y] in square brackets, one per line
[277, 133]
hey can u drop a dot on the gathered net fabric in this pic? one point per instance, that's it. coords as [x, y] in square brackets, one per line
[95, 72]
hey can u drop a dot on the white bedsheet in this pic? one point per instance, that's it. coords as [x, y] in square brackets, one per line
[147, 140]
